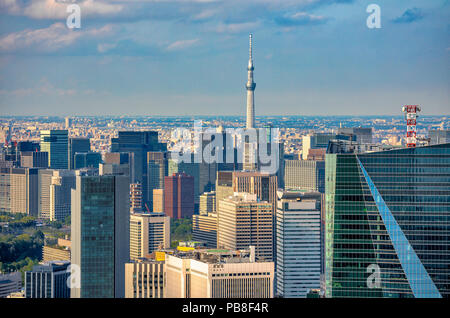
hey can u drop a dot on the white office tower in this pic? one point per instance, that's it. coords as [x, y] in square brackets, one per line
[299, 251]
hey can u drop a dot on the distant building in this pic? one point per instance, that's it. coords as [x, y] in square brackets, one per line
[55, 193]
[439, 137]
[145, 278]
[100, 234]
[136, 198]
[204, 229]
[48, 280]
[179, 195]
[10, 283]
[139, 143]
[244, 220]
[315, 141]
[35, 159]
[299, 248]
[218, 274]
[149, 232]
[19, 190]
[305, 175]
[207, 203]
[87, 160]
[204, 175]
[56, 144]
[158, 200]
[121, 163]
[78, 145]
[363, 135]
[158, 168]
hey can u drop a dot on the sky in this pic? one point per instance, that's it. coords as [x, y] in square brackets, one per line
[189, 57]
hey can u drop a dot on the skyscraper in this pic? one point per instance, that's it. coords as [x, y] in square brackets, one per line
[77, 145]
[299, 250]
[204, 229]
[55, 142]
[305, 175]
[158, 168]
[87, 160]
[100, 229]
[179, 195]
[139, 143]
[148, 233]
[243, 221]
[388, 223]
[207, 203]
[19, 190]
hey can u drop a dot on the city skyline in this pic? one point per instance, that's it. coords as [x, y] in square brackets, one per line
[188, 57]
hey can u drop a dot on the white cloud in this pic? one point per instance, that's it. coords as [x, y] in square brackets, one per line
[56, 9]
[50, 39]
[183, 44]
[237, 27]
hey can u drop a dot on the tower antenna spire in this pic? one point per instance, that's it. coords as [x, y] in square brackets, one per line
[250, 47]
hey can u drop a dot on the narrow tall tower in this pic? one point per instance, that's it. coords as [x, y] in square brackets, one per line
[250, 91]
[411, 121]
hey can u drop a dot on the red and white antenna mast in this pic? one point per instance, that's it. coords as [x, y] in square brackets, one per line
[411, 120]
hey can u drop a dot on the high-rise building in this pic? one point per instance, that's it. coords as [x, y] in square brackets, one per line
[204, 229]
[207, 203]
[315, 141]
[388, 223]
[56, 144]
[120, 163]
[218, 274]
[158, 200]
[62, 183]
[139, 143]
[48, 280]
[224, 186]
[242, 221]
[148, 232]
[78, 145]
[87, 160]
[34, 159]
[363, 135]
[439, 137]
[158, 168]
[299, 243]
[204, 175]
[19, 190]
[145, 278]
[67, 122]
[179, 195]
[135, 198]
[100, 230]
[305, 175]
[54, 193]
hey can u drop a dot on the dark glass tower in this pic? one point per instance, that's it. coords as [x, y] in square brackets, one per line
[388, 210]
[139, 143]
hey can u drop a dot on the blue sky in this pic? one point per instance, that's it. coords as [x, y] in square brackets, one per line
[183, 57]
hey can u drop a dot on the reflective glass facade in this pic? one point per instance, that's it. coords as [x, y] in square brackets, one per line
[390, 209]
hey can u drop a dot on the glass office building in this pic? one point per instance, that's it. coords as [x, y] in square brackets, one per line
[56, 143]
[388, 223]
[100, 228]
